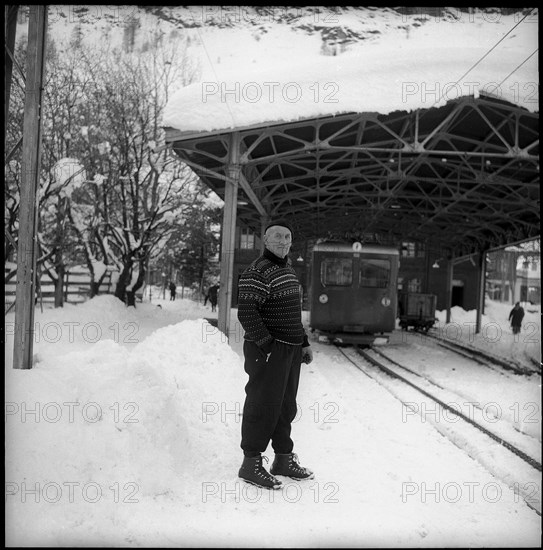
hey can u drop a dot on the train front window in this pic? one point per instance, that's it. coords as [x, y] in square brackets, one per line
[337, 272]
[375, 273]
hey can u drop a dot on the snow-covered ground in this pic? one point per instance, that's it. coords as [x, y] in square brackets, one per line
[496, 336]
[126, 432]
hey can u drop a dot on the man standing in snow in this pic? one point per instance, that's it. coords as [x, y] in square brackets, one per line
[269, 310]
[515, 316]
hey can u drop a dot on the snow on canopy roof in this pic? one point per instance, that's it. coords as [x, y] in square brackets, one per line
[400, 75]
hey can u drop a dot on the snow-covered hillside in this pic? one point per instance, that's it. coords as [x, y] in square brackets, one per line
[399, 62]
[281, 63]
[234, 35]
[336, 27]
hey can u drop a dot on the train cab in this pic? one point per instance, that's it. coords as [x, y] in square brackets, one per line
[353, 296]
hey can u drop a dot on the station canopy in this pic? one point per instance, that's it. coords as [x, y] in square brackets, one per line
[459, 172]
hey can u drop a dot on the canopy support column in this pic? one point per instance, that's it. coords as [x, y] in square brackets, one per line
[228, 243]
[448, 291]
[264, 221]
[481, 273]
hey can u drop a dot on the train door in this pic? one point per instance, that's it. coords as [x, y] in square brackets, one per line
[332, 289]
[375, 301]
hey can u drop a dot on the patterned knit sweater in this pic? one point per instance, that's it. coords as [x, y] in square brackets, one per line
[269, 305]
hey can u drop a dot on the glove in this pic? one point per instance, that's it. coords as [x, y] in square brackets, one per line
[307, 355]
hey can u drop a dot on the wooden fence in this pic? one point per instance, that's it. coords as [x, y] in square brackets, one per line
[77, 285]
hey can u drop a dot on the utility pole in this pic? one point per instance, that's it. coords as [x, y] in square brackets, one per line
[31, 156]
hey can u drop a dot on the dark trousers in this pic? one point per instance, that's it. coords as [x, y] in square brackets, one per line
[270, 402]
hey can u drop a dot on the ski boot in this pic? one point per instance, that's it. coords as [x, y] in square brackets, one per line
[253, 472]
[289, 466]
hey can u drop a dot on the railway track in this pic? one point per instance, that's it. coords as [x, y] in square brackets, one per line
[524, 477]
[485, 359]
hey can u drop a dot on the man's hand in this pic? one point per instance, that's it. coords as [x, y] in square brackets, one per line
[307, 355]
[267, 349]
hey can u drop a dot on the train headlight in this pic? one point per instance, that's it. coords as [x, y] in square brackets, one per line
[385, 301]
[323, 298]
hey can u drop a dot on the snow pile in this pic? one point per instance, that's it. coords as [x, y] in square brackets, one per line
[496, 336]
[105, 411]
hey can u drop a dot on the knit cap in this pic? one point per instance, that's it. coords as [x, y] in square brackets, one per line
[281, 223]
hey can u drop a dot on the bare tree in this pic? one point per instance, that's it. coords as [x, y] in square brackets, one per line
[63, 90]
[145, 191]
[125, 195]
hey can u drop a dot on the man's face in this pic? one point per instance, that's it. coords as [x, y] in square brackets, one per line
[278, 239]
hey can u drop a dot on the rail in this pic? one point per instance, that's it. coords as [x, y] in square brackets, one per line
[525, 457]
[481, 356]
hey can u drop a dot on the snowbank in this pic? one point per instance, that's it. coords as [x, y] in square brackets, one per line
[496, 336]
[108, 414]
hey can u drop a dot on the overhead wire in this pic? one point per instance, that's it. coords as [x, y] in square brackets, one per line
[518, 67]
[488, 53]
[423, 113]
[215, 73]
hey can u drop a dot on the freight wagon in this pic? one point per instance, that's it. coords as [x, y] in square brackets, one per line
[417, 310]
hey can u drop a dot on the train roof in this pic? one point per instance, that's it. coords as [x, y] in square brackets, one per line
[355, 247]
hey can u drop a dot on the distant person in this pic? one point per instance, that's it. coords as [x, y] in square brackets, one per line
[213, 294]
[173, 289]
[516, 316]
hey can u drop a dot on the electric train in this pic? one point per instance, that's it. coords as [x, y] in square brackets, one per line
[353, 292]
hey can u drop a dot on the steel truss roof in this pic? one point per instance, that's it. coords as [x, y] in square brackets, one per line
[463, 177]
